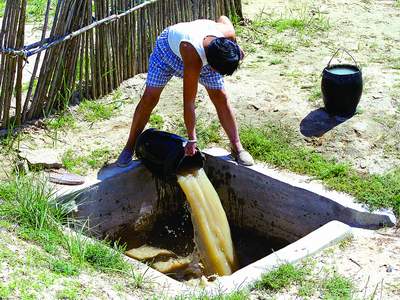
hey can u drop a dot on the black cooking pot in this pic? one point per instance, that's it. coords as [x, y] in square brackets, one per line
[163, 153]
[341, 87]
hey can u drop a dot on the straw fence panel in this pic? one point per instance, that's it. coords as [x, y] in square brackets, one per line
[92, 46]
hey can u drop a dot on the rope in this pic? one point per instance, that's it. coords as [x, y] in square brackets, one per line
[48, 43]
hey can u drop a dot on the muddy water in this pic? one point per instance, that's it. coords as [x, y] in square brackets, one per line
[212, 233]
[174, 233]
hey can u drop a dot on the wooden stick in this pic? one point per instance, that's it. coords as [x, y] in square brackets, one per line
[35, 68]
[20, 44]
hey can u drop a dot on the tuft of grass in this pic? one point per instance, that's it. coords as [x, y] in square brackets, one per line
[274, 144]
[29, 202]
[283, 24]
[337, 287]
[73, 162]
[156, 121]
[80, 164]
[298, 26]
[280, 46]
[306, 289]
[117, 95]
[102, 255]
[208, 133]
[315, 94]
[50, 240]
[106, 256]
[137, 279]
[346, 242]
[63, 121]
[283, 277]
[237, 295]
[98, 157]
[72, 290]
[93, 111]
[63, 267]
[276, 61]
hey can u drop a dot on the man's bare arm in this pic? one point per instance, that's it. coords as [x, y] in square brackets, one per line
[191, 72]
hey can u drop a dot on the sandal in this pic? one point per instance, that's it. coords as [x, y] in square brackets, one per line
[125, 158]
[243, 158]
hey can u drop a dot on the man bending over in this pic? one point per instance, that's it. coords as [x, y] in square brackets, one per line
[202, 52]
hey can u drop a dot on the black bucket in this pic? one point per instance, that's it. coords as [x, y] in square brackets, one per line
[341, 87]
[163, 153]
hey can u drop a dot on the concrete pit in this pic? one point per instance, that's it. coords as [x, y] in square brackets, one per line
[288, 217]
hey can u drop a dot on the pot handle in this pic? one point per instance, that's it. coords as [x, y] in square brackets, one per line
[343, 49]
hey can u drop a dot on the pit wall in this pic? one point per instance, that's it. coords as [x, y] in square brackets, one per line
[258, 198]
[284, 205]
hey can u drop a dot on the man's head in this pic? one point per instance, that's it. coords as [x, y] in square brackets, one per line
[223, 55]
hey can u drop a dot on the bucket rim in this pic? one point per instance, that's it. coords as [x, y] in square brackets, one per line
[349, 66]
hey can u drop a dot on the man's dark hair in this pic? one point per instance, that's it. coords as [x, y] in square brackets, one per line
[223, 55]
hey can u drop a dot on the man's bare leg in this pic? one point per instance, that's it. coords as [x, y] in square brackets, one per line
[149, 100]
[227, 119]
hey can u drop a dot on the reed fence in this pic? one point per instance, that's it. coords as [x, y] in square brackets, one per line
[91, 47]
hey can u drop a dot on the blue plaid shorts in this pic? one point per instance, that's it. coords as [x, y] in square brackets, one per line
[164, 64]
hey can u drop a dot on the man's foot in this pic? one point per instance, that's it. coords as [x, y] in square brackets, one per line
[243, 158]
[125, 158]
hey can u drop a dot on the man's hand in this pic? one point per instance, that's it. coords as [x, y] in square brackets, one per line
[190, 149]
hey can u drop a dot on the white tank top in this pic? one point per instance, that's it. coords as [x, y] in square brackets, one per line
[194, 33]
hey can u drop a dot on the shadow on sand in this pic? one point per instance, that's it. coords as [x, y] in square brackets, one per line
[318, 122]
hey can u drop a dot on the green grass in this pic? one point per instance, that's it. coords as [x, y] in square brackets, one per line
[93, 111]
[2, 10]
[283, 24]
[306, 281]
[73, 162]
[274, 144]
[156, 121]
[337, 287]
[81, 164]
[276, 61]
[103, 255]
[25, 86]
[208, 133]
[281, 33]
[280, 46]
[283, 277]
[315, 94]
[237, 295]
[35, 9]
[346, 242]
[72, 290]
[29, 202]
[64, 267]
[64, 121]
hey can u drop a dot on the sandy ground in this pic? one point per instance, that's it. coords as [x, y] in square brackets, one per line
[261, 92]
[369, 259]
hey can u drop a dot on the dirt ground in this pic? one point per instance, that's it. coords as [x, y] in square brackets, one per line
[262, 91]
